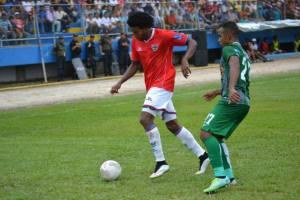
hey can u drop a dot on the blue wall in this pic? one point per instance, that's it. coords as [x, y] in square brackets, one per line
[30, 54]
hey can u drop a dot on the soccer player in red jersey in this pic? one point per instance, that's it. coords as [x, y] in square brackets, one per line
[152, 49]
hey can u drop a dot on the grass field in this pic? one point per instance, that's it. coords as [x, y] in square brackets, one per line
[54, 152]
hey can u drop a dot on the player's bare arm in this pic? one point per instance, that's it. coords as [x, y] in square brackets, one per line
[185, 69]
[234, 64]
[128, 74]
[210, 95]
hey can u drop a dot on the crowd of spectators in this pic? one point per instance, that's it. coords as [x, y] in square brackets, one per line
[19, 19]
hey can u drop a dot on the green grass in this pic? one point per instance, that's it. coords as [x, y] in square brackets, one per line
[54, 152]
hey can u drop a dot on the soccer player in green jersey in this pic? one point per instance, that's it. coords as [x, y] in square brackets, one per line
[231, 108]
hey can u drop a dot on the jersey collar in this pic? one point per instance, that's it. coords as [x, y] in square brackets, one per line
[152, 35]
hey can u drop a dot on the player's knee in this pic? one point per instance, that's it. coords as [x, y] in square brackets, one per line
[173, 127]
[145, 121]
[204, 135]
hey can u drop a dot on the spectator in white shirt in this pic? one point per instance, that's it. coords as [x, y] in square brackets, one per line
[91, 24]
[28, 5]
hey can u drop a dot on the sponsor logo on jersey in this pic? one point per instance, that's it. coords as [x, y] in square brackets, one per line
[154, 47]
[139, 49]
[177, 37]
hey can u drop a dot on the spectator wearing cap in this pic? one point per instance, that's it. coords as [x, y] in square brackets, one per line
[90, 48]
[258, 55]
[6, 28]
[19, 25]
[124, 59]
[106, 52]
[60, 52]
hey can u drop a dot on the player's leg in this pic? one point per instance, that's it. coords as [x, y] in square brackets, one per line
[147, 121]
[187, 138]
[220, 124]
[214, 150]
[155, 101]
[227, 164]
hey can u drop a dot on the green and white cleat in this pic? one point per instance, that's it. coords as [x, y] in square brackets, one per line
[216, 184]
[233, 181]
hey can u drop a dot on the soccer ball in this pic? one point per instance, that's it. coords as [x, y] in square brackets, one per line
[110, 170]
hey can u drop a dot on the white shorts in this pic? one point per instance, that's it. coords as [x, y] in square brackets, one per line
[158, 102]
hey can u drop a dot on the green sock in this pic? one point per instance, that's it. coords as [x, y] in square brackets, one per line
[226, 161]
[214, 154]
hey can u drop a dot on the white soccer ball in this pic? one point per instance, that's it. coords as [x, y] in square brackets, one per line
[110, 170]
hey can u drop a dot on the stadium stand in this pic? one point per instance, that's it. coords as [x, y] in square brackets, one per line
[33, 26]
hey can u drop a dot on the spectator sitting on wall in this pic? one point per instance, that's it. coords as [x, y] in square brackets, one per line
[42, 20]
[264, 46]
[245, 14]
[50, 18]
[171, 20]
[61, 18]
[258, 54]
[28, 5]
[19, 25]
[247, 45]
[277, 11]
[233, 16]
[276, 45]
[60, 52]
[30, 25]
[91, 56]
[91, 24]
[188, 20]
[297, 43]
[268, 13]
[6, 28]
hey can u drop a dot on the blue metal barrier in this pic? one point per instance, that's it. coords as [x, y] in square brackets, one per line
[29, 54]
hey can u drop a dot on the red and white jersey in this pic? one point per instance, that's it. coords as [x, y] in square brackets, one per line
[155, 55]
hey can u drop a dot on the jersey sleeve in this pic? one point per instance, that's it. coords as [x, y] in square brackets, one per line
[229, 51]
[134, 54]
[176, 39]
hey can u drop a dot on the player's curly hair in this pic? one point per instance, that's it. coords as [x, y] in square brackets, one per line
[231, 26]
[140, 20]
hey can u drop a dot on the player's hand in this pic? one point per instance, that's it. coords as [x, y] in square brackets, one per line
[115, 88]
[208, 96]
[234, 96]
[185, 69]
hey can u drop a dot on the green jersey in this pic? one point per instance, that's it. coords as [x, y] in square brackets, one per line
[242, 86]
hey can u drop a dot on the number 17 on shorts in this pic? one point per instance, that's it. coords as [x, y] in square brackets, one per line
[208, 119]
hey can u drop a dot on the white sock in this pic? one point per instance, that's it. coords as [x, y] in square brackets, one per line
[154, 139]
[188, 139]
[226, 152]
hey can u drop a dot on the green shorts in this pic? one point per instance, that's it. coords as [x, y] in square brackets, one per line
[224, 118]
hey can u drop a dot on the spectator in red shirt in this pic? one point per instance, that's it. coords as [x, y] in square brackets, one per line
[171, 20]
[264, 46]
[19, 25]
